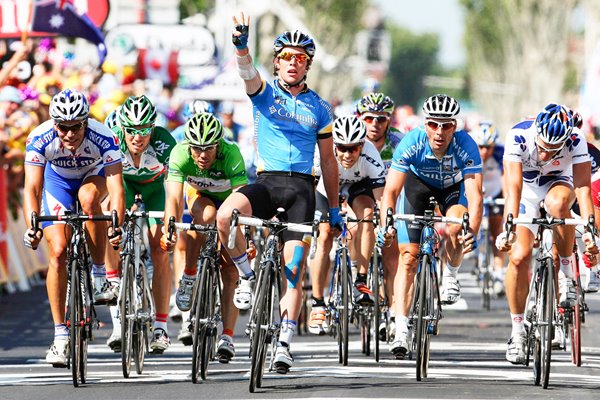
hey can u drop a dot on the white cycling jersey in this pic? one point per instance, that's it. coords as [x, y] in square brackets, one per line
[100, 148]
[369, 166]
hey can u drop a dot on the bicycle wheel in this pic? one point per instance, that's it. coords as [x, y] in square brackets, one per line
[576, 323]
[547, 328]
[540, 295]
[75, 320]
[127, 314]
[259, 322]
[421, 333]
[375, 287]
[140, 328]
[210, 331]
[345, 316]
[88, 318]
[487, 283]
[200, 312]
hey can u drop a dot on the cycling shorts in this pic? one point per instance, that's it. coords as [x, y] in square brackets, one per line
[350, 191]
[153, 195]
[532, 195]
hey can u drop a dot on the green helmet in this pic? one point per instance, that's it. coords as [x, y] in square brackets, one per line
[203, 129]
[375, 102]
[137, 111]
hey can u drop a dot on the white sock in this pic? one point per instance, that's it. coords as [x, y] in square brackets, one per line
[450, 270]
[98, 270]
[288, 328]
[518, 324]
[566, 264]
[401, 323]
[243, 266]
[114, 315]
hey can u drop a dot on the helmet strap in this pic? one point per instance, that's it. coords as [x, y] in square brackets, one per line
[293, 85]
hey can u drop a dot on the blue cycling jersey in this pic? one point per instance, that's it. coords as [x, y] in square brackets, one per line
[414, 153]
[287, 128]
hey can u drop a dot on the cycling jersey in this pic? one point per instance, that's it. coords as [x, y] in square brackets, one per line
[415, 154]
[100, 147]
[154, 161]
[492, 172]
[369, 166]
[227, 171]
[392, 138]
[287, 128]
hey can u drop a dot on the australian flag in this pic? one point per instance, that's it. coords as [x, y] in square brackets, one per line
[60, 16]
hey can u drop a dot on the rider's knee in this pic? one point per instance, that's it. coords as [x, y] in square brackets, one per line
[408, 260]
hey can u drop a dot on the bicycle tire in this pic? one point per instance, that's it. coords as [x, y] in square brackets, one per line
[141, 326]
[199, 331]
[486, 285]
[547, 331]
[375, 280]
[576, 330]
[88, 317]
[259, 320]
[345, 321]
[421, 333]
[75, 313]
[126, 310]
[210, 330]
[535, 330]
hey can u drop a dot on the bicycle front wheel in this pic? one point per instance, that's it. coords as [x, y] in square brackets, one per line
[127, 310]
[210, 330]
[421, 333]
[547, 327]
[376, 287]
[259, 323]
[199, 332]
[141, 326]
[345, 315]
[75, 321]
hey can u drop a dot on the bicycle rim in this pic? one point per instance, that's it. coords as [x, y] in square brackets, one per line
[88, 315]
[576, 334]
[345, 269]
[259, 320]
[548, 329]
[421, 333]
[199, 331]
[376, 308]
[75, 307]
[210, 330]
[127, 309]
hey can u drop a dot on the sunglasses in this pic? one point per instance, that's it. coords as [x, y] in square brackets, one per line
[380, 118]
[200, 149]
[141, 131]
[348, 149]
[67, 128]
[443, 125]
[287, 56]
[542, 148]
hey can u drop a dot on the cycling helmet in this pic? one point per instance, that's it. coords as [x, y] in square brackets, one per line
[441, 106]
[577, 120]
[349, 130]
[485, 134]
[112, 119]
[375, 102]
[294, 39]
[69, 105]
[554, 124]
[197, 107]
[137, 111]
[203, 130]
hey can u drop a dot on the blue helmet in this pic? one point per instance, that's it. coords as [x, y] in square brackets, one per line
[294, 39]
[485, 134]
[112, 119]
[196, 107]
[554, 124]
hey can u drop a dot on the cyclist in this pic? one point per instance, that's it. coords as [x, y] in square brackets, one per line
[361, 180]
[545, 159]
[213, 169]
[434, 160]
[376, 110]
[145, 151]
[491, 152]
[70, 158]
[290, 119]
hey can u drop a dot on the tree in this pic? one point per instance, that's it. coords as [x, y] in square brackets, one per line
[517, 55]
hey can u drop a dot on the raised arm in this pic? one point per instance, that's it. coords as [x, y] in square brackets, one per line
[246, 68]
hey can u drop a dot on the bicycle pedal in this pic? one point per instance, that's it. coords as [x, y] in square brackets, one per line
[223, 359]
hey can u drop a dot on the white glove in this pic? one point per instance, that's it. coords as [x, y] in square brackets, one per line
[504, 241]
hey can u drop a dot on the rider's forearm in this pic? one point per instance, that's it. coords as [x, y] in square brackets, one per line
[330, 176]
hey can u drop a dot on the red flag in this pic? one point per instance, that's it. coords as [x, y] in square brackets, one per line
[60, 16]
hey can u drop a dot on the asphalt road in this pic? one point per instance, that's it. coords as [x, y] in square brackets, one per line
[467, 362]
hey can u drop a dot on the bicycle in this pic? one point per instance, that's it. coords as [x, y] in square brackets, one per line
[264, 324]
[206, 298]
[80, 316]
[136, 302]
[426, 310]
[376, 283]
[541, 312]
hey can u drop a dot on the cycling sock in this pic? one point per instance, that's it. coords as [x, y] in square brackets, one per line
[362, 278]
[288, 328]
[185, 316]
[189, 276]
[566, 265]
[114, 315]
[98, 270]
[243, 265]
[113, 276]
[161, 322]
[450, 270]
[401, 323]
[518, 324]
[228, 332]
[61, 331]
[318, 302]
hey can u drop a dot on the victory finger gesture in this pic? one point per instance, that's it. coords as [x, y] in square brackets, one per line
[240, 32]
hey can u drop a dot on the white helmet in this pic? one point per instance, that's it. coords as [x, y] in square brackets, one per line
[69, 105]
[441, 106]
[485, 134]
[349, 130]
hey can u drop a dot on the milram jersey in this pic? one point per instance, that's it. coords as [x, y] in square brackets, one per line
[100, 146]
[287, 127]
[226, 172]
[520, 147]
[368, 166]
[414, 153]
[154, 161]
